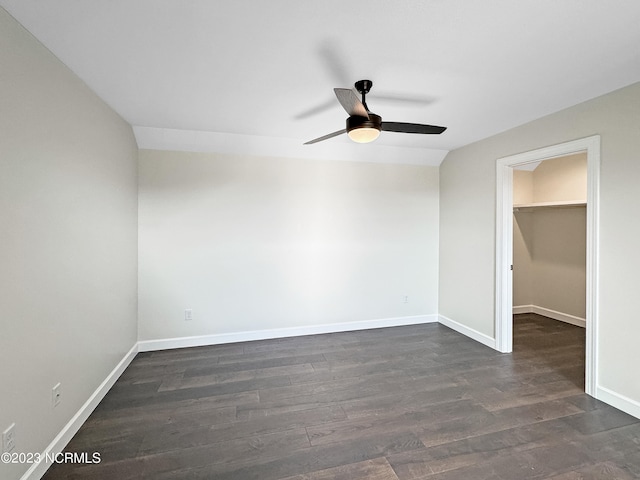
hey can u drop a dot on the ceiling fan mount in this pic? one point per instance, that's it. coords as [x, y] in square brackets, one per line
[362, 126]
[363, 86]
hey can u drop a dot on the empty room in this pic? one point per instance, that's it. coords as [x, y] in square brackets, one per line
[290, 241]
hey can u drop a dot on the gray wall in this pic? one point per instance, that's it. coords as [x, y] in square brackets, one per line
[549, 260]
[468, 227]
[68, 228]
[251, 243]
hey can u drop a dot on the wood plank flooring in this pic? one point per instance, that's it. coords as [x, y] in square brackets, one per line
[404, 403]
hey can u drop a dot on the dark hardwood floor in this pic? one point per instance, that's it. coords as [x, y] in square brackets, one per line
[404, 403]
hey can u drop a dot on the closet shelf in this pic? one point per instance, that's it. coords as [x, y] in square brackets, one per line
[563, 204]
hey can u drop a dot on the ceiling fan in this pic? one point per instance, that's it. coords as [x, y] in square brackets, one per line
[364, 126]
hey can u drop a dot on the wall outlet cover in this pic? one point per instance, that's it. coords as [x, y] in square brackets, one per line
[9, 439]
[56, 394]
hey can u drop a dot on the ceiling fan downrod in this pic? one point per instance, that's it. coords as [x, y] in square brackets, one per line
[363, 87]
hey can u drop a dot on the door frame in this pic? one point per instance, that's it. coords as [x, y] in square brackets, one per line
[504, 245]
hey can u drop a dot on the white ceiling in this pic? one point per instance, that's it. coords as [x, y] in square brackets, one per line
[256, 76]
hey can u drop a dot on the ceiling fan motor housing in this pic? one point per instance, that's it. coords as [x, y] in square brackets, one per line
[362, 129]
[374, 121]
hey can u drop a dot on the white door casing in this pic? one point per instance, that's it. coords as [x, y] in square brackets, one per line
[504, 245]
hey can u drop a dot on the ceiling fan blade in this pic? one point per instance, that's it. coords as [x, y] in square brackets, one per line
[319, 108]
[350, 102]
[403, 127]
[408, 100]
[326, 137]
[332, 54]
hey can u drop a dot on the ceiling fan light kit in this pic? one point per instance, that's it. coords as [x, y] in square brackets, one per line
[364, 130]
[364, 126]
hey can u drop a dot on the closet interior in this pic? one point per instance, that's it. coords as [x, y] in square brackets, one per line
[549, 238]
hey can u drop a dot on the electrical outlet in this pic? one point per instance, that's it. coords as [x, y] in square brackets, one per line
[9, 439]
[405, 299]
[56, 394]
[188, 314]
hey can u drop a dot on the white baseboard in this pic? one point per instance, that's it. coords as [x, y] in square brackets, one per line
[37, 470]
[547, 312]
[619, 401]
[522, 309]
[469, 332]
[221, 338]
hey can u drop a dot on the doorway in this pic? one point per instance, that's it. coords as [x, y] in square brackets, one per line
[504, 245]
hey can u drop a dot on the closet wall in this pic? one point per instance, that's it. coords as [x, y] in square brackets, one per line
[549, 244]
